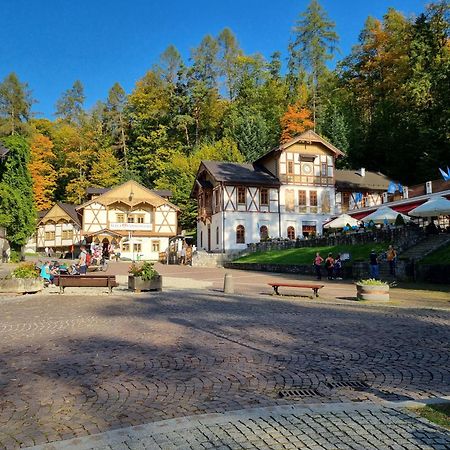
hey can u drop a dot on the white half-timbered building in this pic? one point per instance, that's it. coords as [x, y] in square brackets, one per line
[136, 221]
[290, 192]
[59, 228]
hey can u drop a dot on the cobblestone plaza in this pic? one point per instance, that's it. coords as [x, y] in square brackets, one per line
[73, 366]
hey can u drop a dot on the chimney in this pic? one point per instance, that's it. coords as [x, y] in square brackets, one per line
[363, 172]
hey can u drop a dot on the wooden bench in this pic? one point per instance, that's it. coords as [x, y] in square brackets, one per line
[64, 281]
[314, 287]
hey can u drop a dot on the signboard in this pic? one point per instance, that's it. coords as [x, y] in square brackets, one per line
[125, 226]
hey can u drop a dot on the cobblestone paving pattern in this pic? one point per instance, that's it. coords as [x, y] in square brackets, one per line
[72, 366]
[343, 427]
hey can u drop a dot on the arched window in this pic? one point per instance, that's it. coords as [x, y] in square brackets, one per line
[240, 234]
[217, 235]
[263, 232]
[291, 233]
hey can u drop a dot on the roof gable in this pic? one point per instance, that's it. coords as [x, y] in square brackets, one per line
[309, 136]
[130, 193]
[61, 211]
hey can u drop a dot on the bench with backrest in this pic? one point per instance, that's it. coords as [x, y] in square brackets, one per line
[314, 287]
[64, 281]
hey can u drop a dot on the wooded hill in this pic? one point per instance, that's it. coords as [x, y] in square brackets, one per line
[386, 105]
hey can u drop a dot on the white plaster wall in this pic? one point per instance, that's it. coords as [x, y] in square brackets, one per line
[147, 253]
[318, 189]
[91, 219]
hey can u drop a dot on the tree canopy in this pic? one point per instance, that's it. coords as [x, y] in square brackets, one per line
[386, 105]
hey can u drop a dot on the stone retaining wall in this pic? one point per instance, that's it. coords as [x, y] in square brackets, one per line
[402, 237]
[433, 273]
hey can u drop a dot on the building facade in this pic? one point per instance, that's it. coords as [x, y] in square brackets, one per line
[290, 192]
[59, 228]
[131, 219]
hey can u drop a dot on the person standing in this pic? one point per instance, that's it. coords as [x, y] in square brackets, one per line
[338, 268]
[392, 259]
[329, 265]
[46, 251]
[318, 260]
[83, 261]
[374, 265]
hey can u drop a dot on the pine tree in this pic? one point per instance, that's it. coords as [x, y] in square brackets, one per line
[115, 119]
[69, 107]
[15, 105]
[313, 45]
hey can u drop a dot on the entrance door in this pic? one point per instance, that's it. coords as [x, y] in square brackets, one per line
[209, 238]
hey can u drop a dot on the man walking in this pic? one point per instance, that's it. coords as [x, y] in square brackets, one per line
[318, 260]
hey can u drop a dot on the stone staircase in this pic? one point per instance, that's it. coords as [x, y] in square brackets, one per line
[426, 246]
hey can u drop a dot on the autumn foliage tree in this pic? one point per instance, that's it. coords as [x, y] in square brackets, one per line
[295, 120]
[42, 171]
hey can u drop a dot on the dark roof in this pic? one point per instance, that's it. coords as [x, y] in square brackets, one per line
[71, 211]
[3, 150]
[352, 179]
[165, 193]
[96, 190]
[436, 186]
[41, 214]
[235, 173]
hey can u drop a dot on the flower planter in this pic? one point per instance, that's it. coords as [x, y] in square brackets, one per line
[372, 292]
[137, 284]
[21, 285]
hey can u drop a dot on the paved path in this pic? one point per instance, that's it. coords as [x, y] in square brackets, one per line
[341, 426]
[71, 366]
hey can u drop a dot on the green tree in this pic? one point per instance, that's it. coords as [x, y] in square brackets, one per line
[106, 168]
[314, 44]
[15, 105]
[228, 53]
[114, 115]
[17, 211]
[70, 106]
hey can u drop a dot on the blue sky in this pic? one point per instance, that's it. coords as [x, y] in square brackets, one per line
[51, 43]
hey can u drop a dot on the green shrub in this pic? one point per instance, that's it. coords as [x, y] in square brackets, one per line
[15, 256]
[26, 270]
[144, 270]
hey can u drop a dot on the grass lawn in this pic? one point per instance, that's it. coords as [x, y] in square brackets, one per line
[441, 256]
[306, 255]
[439, 414]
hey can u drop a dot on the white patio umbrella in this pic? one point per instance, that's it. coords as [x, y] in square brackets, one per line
[342, 221]
[436, 206]
[384, 214]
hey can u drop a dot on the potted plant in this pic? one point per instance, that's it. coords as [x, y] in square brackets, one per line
[24, 279]
[144, 277]
[372, 290]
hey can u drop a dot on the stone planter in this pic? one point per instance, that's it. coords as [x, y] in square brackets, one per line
[137, 284]
[21, 285]
[372, 292]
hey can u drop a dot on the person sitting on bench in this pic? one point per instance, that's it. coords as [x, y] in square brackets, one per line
[46, 273]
